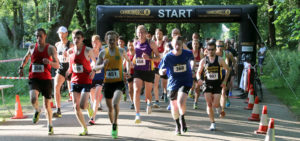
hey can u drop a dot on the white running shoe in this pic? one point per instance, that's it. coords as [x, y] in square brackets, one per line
[212, 127]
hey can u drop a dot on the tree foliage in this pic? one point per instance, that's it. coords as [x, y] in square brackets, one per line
[20, 18]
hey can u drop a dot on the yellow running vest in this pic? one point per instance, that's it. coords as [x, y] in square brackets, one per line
[113, 70]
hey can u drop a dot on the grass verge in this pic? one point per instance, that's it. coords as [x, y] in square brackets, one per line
[284, 94]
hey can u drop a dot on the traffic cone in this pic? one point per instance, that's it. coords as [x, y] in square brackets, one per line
[70, 97]
[52, 105]
[18, 109]
[271, 131]
[247, 100]
[251, 101]
[263, 125]
[249, 93]
[255, 111]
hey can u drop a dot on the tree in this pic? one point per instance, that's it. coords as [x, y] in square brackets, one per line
[65, 11]
[272, 38]
[18, 24]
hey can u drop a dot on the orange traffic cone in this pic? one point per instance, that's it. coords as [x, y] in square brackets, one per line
[255, 111]
[52, 105]
[249, 93]
[18, 109]
[251, 101]
[271, 131]
[70, 97]
[263, 125]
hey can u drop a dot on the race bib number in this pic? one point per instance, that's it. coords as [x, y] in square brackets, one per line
[37, 68]
[212, 76]
[77, 68]
[180, 68]
[112, 74]
[140, 62]
[62, 59]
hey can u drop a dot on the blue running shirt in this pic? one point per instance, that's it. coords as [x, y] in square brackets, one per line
[178, 69]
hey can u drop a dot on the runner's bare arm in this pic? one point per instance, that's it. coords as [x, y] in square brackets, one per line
[225, 66]
[200, 69]
[100, 64]
[232, 59]
[91, 54]
[52, 52]
[185, 47]
[155, 51]
[25, 59]
[128, 61]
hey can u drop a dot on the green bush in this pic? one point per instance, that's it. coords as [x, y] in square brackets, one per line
[289, 63]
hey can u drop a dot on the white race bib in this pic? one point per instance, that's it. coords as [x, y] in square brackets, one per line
[37, 68]
[180, 68]
[212, 76]
[77, 68]
[112, 74]
[140, 62]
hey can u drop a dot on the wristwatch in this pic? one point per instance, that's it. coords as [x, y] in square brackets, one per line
[20, 68]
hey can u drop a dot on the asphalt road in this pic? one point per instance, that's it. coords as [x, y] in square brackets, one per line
[157, 126]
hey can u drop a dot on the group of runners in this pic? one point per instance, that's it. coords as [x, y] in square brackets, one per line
[182, 68]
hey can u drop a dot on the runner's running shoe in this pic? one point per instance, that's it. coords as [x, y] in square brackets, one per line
[36, 117]
[84, 133]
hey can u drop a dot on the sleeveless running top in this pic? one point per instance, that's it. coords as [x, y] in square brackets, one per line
[37, 68]
[60, 52]
[113, 70]
[80, 68]
[212, 72]
[131, 58]
[197, 59]
[140, 63]
[161, 50]
[99, 74]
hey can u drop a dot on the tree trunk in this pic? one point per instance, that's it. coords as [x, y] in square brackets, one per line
[15, 26]
[51, 10]
[272, 37]
[21, 31]
[36, 12]
[65, 10]
[164, 25]
[89, 30]
[9, 32]
[80, 19]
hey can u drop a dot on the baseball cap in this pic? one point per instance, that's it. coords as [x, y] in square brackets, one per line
[62, 29]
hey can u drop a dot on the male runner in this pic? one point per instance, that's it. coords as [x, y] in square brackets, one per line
[82, 76]
[177, 65]
[111, 59]
[161, 48]
[43, 56]
[212, 81]
[62, 46]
